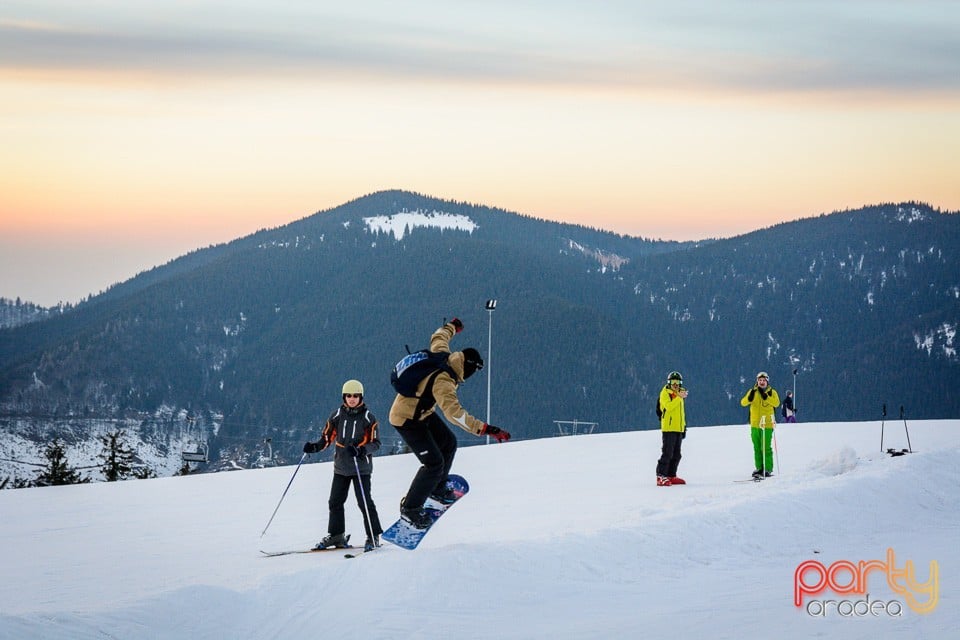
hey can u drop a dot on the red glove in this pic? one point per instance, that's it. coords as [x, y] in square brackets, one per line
[498, 434]
[457, 324]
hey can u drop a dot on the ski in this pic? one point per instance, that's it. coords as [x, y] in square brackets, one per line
[274, 554]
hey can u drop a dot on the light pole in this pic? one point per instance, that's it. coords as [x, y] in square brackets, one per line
[794, 390]
[491, 305]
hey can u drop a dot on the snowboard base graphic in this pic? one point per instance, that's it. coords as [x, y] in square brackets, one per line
[405, 535]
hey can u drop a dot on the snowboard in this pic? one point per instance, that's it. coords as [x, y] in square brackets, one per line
[406, 536]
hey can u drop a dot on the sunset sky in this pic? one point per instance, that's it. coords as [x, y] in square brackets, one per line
[132, 132]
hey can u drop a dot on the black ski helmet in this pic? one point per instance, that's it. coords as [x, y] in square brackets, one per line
[472, 362]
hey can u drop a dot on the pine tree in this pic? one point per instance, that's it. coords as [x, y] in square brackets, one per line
[58, 471]
[117, 457]
[144, 473]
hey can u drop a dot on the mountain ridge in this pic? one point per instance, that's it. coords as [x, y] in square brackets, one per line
[263, 330]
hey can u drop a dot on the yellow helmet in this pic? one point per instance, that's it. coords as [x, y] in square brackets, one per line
[352, 386]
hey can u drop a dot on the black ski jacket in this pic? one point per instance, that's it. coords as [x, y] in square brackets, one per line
[357, 427]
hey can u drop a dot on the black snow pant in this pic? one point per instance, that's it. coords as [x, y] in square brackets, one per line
[338, 496]
[434, 444]
[670, 455]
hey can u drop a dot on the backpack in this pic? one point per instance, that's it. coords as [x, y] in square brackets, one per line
[407, 374]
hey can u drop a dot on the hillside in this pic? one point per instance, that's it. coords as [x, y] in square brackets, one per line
[251, 340]
[566, 538]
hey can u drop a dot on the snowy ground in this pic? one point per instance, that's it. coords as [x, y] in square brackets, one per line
[560, 538]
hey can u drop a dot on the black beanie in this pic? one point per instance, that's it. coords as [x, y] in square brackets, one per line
[472, 362]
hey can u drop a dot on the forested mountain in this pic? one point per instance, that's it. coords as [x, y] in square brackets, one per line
[14, 313]
[252, 339]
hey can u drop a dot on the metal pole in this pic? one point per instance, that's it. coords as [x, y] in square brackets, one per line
[491, 305]
[794, 391]
[909, 446]
[302, 458]
[883, 419]
[763, 444]
[363, 496]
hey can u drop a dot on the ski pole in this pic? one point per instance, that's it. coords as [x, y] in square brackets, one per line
[368, 525]
[302, 458]
[883, 419]
[763, 444]
[776, 449]
[909, 446]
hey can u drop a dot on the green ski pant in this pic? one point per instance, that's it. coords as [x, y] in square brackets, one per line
[762, 448]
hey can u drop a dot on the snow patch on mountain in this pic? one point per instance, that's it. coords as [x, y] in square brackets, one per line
[940, 340]
[607, 260]
[910, 215]
[399, 224]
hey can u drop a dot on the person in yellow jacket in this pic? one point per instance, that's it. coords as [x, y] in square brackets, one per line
[431, 441]
[673, 425]
[762, 400]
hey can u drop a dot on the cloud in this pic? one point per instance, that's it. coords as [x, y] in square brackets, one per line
[722, 46]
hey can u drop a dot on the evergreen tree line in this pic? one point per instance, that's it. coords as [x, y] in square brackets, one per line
[118, 461]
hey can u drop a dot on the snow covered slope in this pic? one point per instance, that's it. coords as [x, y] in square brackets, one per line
[561, 538]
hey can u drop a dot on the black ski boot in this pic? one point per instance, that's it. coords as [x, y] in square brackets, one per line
[444, 495]
[334, 541]
[371, 544]
[417, 517]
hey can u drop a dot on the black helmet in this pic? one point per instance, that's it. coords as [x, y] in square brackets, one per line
[674, 375]
[472, 362]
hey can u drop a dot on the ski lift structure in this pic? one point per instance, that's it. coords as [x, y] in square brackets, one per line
[195, 449]
[199, 453]
[574, 427]
[265, 459]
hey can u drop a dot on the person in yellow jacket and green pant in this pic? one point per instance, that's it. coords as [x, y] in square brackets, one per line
[762, 400]
[673, 425]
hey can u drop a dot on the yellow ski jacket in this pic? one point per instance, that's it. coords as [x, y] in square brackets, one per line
[674, 416]
[761, 409]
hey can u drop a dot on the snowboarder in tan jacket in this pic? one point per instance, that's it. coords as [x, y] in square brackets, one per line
[430, 439]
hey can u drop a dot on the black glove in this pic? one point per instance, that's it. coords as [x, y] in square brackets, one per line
[457, 324]
[752, 392]
[684, 436]
[498, 434]
[356, 452]
[763, 393]
[311, 447]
